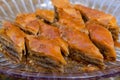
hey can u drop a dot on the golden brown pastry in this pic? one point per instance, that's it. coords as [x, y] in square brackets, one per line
[106, 20]
[28, 23]
[81, 47]
[41, 39]
[102, 38]
[52, 33]
[47, 15]
[70, 24]
[43, 52]
[40, 28]
[12, 40]
[67, 15]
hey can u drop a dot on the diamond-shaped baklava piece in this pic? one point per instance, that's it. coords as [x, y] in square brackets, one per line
[43, 52]
[102, 38]
[28, 23]
[12, 40]
[67, 15]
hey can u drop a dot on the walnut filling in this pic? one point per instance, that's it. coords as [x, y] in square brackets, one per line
[45, 20]
[46, 62]
[9, 47]
[78, 55]
[105, 51]
[85, 19]
[56, 18]
[24, 30]
[115, 32]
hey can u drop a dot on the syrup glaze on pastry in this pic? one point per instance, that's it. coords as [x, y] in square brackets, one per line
[62, 39]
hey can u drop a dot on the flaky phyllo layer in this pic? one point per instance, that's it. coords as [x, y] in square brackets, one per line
[44, 38]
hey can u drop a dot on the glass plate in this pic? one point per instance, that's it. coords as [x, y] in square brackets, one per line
[10, 8]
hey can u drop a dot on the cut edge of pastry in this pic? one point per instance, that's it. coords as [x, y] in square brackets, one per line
[77, 55]
[43, 61]
[107, 49]
[10, 52]
[46, 15]
[20, 22]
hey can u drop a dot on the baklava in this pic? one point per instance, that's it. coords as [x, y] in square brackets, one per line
[108, 21]
[68, 39]
[81, 47]
[67, 15]
[71, 25]
[46, 15]
[12, 40]
[52, 33]
[43, 52]
[102, 38]
[28, 23]
[39, 28]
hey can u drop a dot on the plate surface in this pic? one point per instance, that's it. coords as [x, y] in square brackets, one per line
[10, 8]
